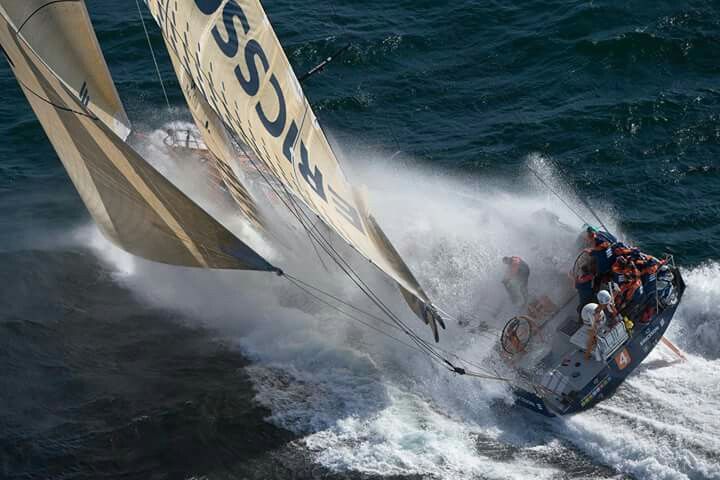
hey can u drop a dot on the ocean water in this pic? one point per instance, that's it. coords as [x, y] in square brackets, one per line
[112, 367]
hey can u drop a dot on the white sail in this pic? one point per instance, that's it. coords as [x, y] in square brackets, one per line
[230, 51]
[132, 203]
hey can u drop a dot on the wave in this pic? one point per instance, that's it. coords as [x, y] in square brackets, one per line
[362, 402]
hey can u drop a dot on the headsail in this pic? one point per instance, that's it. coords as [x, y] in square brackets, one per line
[237, 64]
[134, 205]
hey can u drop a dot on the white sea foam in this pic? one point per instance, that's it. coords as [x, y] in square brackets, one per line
[363, 402]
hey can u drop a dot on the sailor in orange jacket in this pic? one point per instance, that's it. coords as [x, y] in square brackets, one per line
[627, 277]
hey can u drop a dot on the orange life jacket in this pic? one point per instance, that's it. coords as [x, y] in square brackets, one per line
[626, 293]
[624, 273]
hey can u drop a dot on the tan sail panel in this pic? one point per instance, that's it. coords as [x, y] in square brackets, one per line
[133, 204]
[61, 34]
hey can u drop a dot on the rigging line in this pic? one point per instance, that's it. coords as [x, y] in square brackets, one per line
[317, 252]
[293, 210]
[303, 286]
[343, 302]
[594, 214]
[537, 175]
[584, 201]
[297, 211]
[347, 269]
[368, 314]
[152, 52]
[59, 107]
[353, 276]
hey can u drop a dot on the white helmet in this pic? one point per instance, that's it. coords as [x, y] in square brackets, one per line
[588, 313]
[604, 297]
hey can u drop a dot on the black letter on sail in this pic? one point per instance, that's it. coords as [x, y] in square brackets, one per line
[208, 6]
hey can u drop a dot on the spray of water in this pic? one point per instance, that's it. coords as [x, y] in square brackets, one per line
[364, 402]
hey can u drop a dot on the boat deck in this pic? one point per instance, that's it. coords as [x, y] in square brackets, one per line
[551, 359]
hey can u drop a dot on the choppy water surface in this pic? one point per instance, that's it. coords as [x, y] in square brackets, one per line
[114, 367]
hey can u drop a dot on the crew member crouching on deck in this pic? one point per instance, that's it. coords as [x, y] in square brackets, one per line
[516, 279]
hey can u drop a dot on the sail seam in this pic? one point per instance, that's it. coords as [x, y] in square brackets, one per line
[37, 10]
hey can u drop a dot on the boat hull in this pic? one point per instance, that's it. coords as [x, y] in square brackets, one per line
[623, 363]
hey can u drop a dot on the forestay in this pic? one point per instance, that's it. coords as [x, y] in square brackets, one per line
[132, 203]
[236, 62]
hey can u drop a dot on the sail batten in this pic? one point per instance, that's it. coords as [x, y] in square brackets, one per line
[234, 58]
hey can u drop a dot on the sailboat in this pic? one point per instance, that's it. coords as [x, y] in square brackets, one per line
[254, 122]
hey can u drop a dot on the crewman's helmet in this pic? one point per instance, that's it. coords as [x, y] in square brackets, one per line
[604, 297]
[588, 313]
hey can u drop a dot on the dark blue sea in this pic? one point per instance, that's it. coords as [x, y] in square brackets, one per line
[115, 368]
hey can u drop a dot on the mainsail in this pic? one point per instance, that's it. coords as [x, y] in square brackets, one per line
[133, 204]
[230, 51]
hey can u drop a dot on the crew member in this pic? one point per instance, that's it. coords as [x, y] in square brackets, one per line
[607, 307]
[516, 279]
[600, 248]
[592, 322]
[622, 250]
[648, 266]
[628, 299]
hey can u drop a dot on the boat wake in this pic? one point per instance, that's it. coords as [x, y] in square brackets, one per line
[363, 402]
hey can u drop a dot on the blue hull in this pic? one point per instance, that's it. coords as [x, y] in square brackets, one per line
[628, 357]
